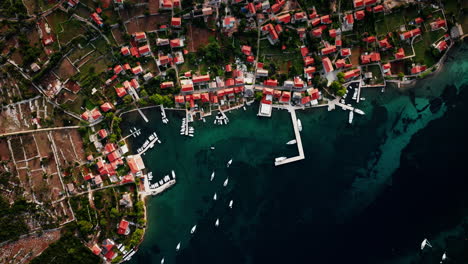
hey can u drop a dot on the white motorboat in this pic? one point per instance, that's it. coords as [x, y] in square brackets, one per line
[351, 115]
[190, 135]
[280, 159]
[225, 121]
[212, 148]
[363, 99]
[151, 137]
[217, 222]
[291, 142]
[359, 111]
[177, 247]
[212, 176]
[194, 228]
[214, 121]
[299, 125]
[230, 203]
[159, 141]
[161, 182]
[166, 178]
[229, 163]
[226, 182]
[425, 243]
[173, 174]
[244, 108]
[215, 197]
[182, 133]
[162, 261]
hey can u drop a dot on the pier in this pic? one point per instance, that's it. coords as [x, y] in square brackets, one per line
[336, 102]
[301, 155]
[358, 98]
[157, 190]
[142, 115]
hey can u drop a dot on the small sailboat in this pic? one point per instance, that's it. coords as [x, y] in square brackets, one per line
[229, 163]
[444, 257]
[299, 125]
[215, 197]
[178, 247]
[194, 228]
[212, 176]
[290, 142]
[217, 222]
[226, 182]
[230, 203]
[162, 261]
[425, 243]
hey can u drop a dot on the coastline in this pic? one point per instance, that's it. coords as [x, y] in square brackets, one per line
[413, 84]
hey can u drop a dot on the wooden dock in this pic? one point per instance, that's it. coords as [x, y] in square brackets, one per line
[301, 155]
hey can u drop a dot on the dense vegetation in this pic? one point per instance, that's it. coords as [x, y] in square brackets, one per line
[68, 249]
[12, 224]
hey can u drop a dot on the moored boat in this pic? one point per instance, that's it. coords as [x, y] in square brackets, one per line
[291, 142]
[217, 222]
[194, 228]
[230, 203]
[280, 159]
[212, 176]
[226, 182]
[351, 115]
[177, 247]
[299, 125]
[229, 163]
[215, 197]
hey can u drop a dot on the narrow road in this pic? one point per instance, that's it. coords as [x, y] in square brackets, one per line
[37, 130]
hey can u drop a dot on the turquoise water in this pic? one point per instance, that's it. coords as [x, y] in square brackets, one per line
[308, 211]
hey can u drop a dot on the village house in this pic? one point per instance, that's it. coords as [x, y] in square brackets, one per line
[140, 36]
[123, 228]
[327, 65]
[438, 24]
[410, 34]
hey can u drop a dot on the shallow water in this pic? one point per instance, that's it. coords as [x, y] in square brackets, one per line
[341, 204]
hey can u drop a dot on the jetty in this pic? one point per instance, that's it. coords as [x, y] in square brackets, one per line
[358, 98]
[161, 188]
[301, 155]
[142, 115]
[336, 102]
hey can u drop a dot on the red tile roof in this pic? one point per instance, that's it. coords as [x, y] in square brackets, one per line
[304, 51]
[176, 21]
[167, 85]
[125, 51]
[327, 65]
[286, 18]
[201, 78]
[102, 133]
[418, 69]
[378, 8]
[247, 50]
[123, 226]
[418, 20]
[349, 19]
[359, 15]
[332, 33]
[308, 61]
[270, 82]
[325, 19]
[442, 45]
[120, 91]
[106, 107]
[439, 23]
[328, 50]
[400, 54]
[345, 52]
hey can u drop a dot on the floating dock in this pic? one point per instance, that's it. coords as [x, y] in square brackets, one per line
[301, 155]
[158, 190]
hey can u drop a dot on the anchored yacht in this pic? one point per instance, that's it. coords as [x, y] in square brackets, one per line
[226, 182]
[215, 197]
[162, 261]
[230, 203]
[194, 228]
[217, 222]
[229, 163]
[212, 176]
[178, 247]
[291, 142]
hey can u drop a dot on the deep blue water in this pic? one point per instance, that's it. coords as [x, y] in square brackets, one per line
[366, 193]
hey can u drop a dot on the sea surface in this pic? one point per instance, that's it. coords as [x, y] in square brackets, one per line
[369, 192]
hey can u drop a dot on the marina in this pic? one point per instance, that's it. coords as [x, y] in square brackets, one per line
[149, 143]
